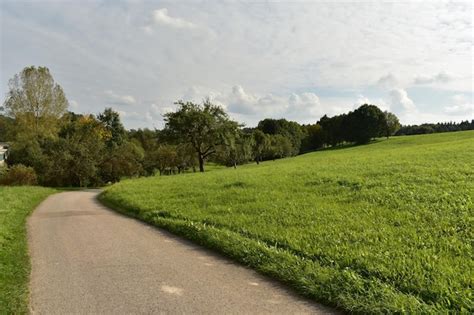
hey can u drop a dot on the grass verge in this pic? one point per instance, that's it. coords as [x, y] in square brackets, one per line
[16, 203]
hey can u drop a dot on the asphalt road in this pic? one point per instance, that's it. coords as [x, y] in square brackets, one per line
[88, 259]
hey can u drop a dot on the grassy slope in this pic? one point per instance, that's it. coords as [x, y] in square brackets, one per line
[386, 227]
[16, 203]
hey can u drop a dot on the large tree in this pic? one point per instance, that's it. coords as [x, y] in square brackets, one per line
[365, 123]
[289, 129]
[204, 127]
[36, 102]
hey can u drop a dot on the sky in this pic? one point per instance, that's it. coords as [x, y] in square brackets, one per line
[296, 60]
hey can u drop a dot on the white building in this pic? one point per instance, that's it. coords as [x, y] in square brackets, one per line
[3, 152]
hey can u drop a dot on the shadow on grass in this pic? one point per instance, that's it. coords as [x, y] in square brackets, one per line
[345, 146]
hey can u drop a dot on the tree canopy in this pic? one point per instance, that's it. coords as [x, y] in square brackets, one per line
[35, 101]
[204, 127]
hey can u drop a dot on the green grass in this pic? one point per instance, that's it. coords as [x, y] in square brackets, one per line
[16, 203]
[381, 228]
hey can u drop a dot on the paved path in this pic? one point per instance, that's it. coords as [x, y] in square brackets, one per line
[88, 259]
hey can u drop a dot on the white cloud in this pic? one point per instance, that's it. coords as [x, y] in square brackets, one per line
[459, 98]
[161, 17]
[117, 99]
[441, 77]
[461, 110]
[155, 113]
[379, 102]
[388, 81]
[462, 106]
[129, 115]
[241, 102]
[400, 103]
[304, 107]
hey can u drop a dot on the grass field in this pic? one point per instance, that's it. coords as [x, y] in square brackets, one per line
[385, 227]
[16, 203]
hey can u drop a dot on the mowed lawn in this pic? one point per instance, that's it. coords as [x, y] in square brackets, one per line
[16, 203]
[385, 227]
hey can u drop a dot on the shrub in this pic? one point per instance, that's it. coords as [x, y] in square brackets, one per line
[19, 175]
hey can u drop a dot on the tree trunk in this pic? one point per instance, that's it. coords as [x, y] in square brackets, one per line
[201, 163]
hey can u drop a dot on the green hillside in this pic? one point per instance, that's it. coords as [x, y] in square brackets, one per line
[385, 227]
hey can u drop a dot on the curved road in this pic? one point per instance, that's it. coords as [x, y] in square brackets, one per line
[88, 259]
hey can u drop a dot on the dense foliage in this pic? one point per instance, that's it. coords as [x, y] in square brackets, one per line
[435, 128]
[35, 101]
[204, 128]
[18, 175]
[383, 228]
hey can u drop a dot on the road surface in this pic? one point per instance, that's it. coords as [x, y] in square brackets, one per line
[88, 259]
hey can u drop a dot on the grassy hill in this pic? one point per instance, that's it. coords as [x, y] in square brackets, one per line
[385, 227]
[16, 203]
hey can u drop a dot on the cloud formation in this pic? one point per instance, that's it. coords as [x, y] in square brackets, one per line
[121, 100]
[400, 103]
[259, 59]
[441, 77]
[461, 109]
[462, 106]
[161, 17]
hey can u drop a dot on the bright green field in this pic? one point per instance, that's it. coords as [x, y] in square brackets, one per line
[16, 203]
[385, 227]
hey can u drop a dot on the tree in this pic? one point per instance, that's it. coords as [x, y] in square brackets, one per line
[123, 158]
[392, 124]
[6, 124]
[238, 151]
[260, 144]
[334, 129]
[365, 123]
[165, 157]
[204, 127]
[185, 158]
[147, 138]
[289, 129]
[36, 102]
[75, 158]
[279, 147]
[111, 121]
[120, 161]
[314, 138]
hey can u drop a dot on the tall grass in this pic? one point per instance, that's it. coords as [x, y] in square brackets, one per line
[386, 227]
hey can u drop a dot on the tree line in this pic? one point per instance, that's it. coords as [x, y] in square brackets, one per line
[435, 128]
[56, 147]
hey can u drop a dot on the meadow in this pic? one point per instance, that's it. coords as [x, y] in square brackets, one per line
[380, 228]
[16, 203]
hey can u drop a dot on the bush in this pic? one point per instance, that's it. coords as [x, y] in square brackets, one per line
[19, 175]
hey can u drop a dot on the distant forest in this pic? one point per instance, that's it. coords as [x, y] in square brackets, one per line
[435, 128]
[52, 146]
